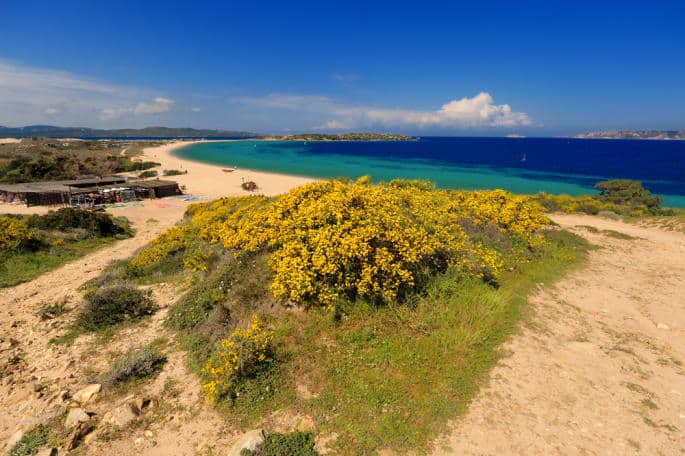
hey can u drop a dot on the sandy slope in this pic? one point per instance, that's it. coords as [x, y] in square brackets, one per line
[598, 370]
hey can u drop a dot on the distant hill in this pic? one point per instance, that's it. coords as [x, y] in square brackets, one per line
[342, 137]
[634, 134]
[50, 131]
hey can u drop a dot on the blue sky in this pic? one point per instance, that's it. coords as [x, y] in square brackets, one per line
[454, 68]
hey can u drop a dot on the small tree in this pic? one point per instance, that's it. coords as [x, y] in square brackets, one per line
[627, 192]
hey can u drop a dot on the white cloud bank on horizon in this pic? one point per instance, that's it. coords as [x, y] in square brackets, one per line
[33, 95]
[478, 111]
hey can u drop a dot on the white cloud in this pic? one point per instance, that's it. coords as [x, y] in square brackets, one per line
[476, 112]
[160, 104]
[53, 111]
[33, 95]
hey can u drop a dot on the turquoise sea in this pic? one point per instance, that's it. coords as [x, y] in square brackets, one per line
[521, 165]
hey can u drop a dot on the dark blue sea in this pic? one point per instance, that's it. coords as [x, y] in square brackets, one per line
[521, 165]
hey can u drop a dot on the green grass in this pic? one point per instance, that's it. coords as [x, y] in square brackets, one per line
[381, 376]
[16, 268]
[392, 377]
[31, 442]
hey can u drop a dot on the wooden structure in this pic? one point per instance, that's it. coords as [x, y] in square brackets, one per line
[67, 192]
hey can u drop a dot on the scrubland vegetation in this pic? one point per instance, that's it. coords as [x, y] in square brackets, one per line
[36, 159]
[621, 197]
[31, 245]
[377, 310]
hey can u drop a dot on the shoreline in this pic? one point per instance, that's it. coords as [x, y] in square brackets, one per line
[209, 180]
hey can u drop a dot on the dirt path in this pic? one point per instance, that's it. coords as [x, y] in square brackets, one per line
[25, 338]
[598, 370]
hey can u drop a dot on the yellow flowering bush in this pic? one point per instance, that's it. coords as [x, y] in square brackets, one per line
[15, 233]
[238, 356]
[174, 240]
[343, 240]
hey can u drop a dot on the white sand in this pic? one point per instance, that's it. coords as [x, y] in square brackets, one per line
[210, 181]
[9, 140]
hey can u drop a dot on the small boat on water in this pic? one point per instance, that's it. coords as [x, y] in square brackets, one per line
[228, 170]
[524, 157]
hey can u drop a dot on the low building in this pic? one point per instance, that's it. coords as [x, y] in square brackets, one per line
[109, 189]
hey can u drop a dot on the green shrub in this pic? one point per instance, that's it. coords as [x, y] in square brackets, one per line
[626, 192]
[620, 196]
[96, 224]
[114, 304]
[292, 444]
[146, 174]
[127, 165]
[174, 172]
[243, 280]
[31, 442]
[53, 310]
[135, 364]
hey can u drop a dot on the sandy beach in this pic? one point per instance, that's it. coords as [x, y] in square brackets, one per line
[202, 180]
[210, 181]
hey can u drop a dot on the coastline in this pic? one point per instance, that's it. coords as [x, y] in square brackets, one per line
[210, 181]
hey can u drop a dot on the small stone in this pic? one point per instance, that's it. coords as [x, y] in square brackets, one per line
[87, 394]
[123, 415]
[79, 432]
[139, 441]
[47, 452]
[74, 417]
[662, 326]
[251, 440]
[139, 402]
[149, 434]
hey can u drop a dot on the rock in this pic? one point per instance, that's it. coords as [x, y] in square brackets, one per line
[662, 326]
[48, 413]
[251, 440]
[149, 434]
[47, 452]
[123, 415]
[16, 437]
[74, 417]
[79, 432]
[87, 394]
[139, 441]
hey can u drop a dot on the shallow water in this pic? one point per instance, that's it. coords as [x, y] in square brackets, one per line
[521, 165]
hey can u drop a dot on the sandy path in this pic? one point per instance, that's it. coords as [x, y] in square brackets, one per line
[598, 370]
[23, 333]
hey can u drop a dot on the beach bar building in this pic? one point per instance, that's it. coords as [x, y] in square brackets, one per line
[109, 189]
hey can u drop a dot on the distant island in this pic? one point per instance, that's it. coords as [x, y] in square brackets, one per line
[341, 137]
[634, 134]
[49, 131]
